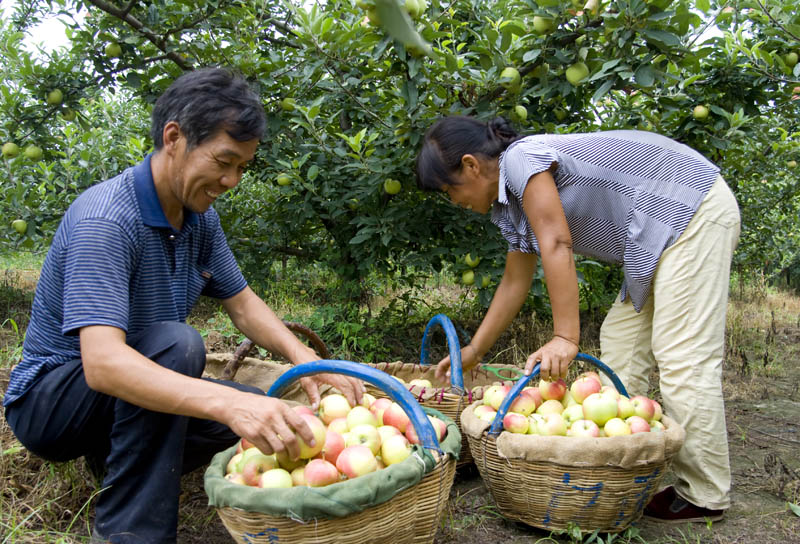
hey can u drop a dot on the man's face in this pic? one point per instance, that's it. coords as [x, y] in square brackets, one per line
[206, 171]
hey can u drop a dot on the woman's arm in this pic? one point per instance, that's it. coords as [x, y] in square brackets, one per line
[545, 214]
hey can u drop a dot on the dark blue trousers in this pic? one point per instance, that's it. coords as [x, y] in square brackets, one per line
[143, 453]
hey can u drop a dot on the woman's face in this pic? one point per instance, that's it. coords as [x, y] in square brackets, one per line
[476, 184]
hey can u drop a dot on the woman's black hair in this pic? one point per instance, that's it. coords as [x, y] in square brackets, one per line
[205, 101]
[449, 139]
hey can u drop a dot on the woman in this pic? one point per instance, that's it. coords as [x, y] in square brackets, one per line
[655, 206]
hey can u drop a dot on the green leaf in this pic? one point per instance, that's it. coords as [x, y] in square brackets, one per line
[397, 24]
[703, 5]
[645, 76]
[604, 88]
[661, 37]
[794, 508]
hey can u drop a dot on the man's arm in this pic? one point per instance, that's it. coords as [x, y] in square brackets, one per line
[258, 322]
[114, 368]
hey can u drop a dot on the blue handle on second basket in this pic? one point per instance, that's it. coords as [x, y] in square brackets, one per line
[497, 423]
[396, 391]
[456, 373]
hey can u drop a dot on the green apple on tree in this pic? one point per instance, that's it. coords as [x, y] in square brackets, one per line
[520, 112]
[791, 164]
[700, 112]
[10, 150]
[55, 97]
[283, 179]
[288, 104]
[790, 59]
[577, 73]
[392, 186]
[543, 25]
[113, 50]
[485, 281]
[471, 262]
[468, 277]
[68, 114]
[510, 77]
[20, 225]
[33, 152]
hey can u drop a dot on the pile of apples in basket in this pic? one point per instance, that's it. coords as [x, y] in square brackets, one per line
[584, 408]
[349, 442]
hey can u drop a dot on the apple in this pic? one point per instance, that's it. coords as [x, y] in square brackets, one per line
[495, 395]
[367, 400]
[233, 463]
[616, 427]
[553, 425]
[299, 476]
[516, 423]
[288, 104]
[236, 478]
[543, 25]
[577, 73]
[113, 50]
[396, 417]
[599, 408]
[283, 179]
[791, 164]
[355, 461]
[10, 150]
[583, 387]
[590, 374]
[33, 152]
[484, 412]
[656, 427]
[68, 114]
[320, 472]
[657, 413]
[334, 444]
[338, 425]
[253, 466]
[552, 390]
[386, 431]
[392, 186]
[510, 78]
[395, 449]
[275, 478]
[20, 225]
[610, 391]
[524, 404]
[439, 426]
[568, 400]
[303, 409]
[584, 427]
[700, 112]
[421, 382]
[533, 392]
[520, 112]
[470, 261]
[379, 407]
[359, 415]
[572, 414]
[551, 406]
[638, 424]
[333, 407]
[643, 407]
[366, 435]
[624, 407]
[790, 59]
[468, 277]
[485, 281]
[317, 427]
[55, 97]
[287, 463]
[533, 423]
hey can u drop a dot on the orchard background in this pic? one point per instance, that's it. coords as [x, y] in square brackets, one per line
[327, 222]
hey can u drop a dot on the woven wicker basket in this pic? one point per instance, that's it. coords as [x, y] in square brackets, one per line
[548, 482]
[411, 516]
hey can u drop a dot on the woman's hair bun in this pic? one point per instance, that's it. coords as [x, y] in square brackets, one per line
[502, 130]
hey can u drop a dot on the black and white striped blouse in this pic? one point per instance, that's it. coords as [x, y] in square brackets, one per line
[627, 195]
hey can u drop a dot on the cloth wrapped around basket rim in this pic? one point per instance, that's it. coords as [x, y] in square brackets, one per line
[581, 451]
[336, 500]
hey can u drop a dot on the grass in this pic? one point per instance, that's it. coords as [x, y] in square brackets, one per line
[44, 502]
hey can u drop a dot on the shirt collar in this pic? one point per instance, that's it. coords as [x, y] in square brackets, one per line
[502, 197]
[149, 205]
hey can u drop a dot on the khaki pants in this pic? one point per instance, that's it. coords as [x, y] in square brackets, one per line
[681, 331]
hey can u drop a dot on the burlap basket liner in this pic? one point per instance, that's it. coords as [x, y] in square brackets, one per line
[402, 502]
[552, 481]
[257, 372]
[442, 397]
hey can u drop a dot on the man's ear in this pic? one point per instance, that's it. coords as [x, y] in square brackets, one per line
[171, 135]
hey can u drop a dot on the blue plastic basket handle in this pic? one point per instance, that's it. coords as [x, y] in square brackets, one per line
[497, 423]
[396, 391]
[456, 373]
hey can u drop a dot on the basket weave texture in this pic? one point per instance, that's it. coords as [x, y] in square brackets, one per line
[551, 482]
[410, 517]
[442, 398]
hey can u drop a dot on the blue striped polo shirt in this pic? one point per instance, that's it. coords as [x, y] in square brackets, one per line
[627, 196]
[115, 260]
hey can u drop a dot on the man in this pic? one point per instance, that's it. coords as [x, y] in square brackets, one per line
[110, 370]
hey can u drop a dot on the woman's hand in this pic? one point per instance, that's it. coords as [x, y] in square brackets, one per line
[555, 357]
[469, 358]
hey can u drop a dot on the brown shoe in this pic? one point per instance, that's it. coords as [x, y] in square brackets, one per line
[669, 507]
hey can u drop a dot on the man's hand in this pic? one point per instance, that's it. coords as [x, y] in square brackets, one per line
[555, 357]
[351, 388]
[269, 423]
[469, 358]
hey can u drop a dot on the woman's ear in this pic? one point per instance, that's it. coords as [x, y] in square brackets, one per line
[470, 164]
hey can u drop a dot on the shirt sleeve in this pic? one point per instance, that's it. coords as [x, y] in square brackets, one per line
[227, 279]
[98, 263]
[521, 161]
